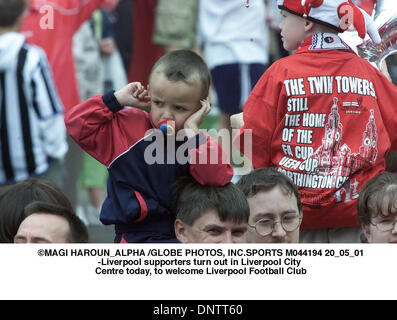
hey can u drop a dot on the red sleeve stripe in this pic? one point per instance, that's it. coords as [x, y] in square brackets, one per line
[143, 205]
[122, 239]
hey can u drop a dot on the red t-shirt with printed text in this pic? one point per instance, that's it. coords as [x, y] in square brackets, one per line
[326, 118]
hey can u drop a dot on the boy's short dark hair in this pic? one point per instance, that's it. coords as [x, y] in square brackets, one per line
[184, 65]
[10, 11]
[265, 179]
[372, 195]
[78, 232]
[192, 200]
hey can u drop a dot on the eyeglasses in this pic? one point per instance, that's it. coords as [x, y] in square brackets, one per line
[265, 226]
[385, 225]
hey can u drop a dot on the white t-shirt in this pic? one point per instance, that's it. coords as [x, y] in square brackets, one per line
[231, 33]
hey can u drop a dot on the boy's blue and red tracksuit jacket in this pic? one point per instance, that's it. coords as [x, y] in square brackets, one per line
[139, 194]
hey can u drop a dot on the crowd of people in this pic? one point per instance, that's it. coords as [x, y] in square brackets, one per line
[111, 97]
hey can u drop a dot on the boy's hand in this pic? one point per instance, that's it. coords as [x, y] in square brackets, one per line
[133, 94]
[107, 46]
[237, 121]
[194, 121]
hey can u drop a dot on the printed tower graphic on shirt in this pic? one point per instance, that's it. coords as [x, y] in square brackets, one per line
[331, 141]
[370, 139]
[337, 159]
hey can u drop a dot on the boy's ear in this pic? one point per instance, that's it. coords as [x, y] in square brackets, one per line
[309, 25]
[180, 231]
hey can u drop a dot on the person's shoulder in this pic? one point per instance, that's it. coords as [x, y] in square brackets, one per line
[35, 49]
[278, 69]
[18, 48]
[34, 53]
[359, 63]
[282, 63]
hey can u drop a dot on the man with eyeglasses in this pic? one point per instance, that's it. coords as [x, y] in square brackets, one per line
[275, 207]
[377, 209]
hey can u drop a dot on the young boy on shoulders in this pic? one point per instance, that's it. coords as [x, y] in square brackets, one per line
[323, 116]
[143, 163]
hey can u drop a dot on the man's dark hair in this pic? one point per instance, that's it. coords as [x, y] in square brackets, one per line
[265, 179]
[10, 11]
[186, 66]
[192, 200]
[14, 198]
[78, 232]
[372, 196]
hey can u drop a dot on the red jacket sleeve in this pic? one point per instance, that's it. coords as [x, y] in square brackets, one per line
[104, 130]
[208, 163]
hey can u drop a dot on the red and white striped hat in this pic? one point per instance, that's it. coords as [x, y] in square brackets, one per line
[337, 14]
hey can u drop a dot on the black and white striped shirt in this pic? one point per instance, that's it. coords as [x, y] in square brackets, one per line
[32, 128]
